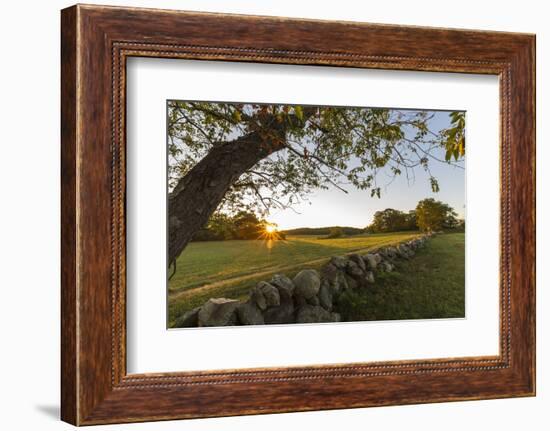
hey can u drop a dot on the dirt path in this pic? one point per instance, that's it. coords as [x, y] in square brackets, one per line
[241, 278]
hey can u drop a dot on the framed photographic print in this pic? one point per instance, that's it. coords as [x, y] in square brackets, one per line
[324, 214]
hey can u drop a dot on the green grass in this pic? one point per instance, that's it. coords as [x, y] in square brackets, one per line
[231, 268]
[431, 285]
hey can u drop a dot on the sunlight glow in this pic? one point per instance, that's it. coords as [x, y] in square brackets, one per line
[270, 228]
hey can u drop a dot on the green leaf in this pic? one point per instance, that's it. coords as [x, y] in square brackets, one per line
[236, 116]
[299, 112]
[434, 184]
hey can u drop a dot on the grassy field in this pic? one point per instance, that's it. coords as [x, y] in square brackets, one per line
[429, 286]
[230, 268]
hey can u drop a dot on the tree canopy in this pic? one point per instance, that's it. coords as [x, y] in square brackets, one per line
[429, 216]
[243, 225]
[321, 147]
[392, 220]
[432, 215]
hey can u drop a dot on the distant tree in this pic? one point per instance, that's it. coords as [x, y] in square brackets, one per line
[247, 225]
[432, 215]
[392, 220]
[243, 225]
[410, 220]
[336, 232]
[220, 227]
[451, 222]
[348, 230]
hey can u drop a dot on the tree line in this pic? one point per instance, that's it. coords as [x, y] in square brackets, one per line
[345, 230]
[428, 216]
[244, 225]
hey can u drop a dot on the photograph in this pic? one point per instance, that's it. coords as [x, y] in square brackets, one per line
[293, 214]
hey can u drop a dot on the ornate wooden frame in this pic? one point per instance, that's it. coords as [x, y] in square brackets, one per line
[95, 43]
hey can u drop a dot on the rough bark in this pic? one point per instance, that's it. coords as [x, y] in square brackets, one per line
[199, 193]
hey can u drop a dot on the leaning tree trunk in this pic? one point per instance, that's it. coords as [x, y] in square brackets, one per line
[200, 191]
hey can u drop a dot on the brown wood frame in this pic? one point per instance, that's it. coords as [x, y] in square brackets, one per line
[95, 43]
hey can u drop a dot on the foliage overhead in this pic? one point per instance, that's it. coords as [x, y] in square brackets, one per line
[454, 138]
[321, 147]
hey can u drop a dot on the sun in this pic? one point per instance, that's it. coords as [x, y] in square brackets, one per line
[270, 228]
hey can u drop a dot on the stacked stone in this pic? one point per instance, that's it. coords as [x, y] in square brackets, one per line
[309, 297]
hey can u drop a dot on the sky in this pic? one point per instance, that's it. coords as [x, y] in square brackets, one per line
[333, 207]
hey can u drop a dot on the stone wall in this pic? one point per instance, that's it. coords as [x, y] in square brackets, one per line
[309, 297]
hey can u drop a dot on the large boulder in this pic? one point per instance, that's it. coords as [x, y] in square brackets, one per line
[325, 296]
[314, 300]
[282, 314]
[370, 260]
[249, 314]
[265, 295]
[339, 262]
[315, 314]
[391, 252]
[271, 294]
[281, 280]
[404, 251]
[383, 252]
[334, 277]
[351, 283]
[340, 284]
[189, 319]
[285, 286]
[328, 271]
[359, 261]
[218, 312]
[307, 283]
[354, 270]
